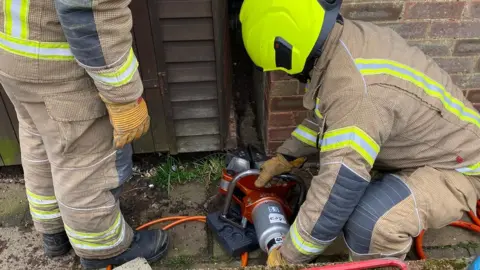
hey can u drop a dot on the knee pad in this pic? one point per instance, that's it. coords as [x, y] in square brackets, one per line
[380, 196]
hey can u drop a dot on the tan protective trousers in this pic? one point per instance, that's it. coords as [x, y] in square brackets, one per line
[397, 207]
[73, 174]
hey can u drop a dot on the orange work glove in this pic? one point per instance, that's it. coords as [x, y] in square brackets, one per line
[130, 121]
[275, 258]
[275, 166]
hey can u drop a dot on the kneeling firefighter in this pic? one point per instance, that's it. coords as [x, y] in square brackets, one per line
[69, 69]
[376, 103]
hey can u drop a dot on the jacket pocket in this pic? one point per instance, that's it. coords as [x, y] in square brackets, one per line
[81, 120]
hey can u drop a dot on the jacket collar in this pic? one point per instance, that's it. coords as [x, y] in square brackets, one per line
[328, 49]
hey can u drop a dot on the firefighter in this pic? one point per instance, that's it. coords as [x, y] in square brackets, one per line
[70, 71]
[375, 103]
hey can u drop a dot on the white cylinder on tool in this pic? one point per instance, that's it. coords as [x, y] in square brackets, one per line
[270, 223]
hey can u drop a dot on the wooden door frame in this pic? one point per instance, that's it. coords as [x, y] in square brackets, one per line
[147, 21]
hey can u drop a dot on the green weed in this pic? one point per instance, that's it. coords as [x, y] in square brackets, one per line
[174, 171]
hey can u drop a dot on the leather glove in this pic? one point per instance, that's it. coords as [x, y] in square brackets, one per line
[275, 258]
[130, 121]
[275, 166]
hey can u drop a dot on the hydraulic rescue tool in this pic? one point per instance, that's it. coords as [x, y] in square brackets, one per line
[254, 217]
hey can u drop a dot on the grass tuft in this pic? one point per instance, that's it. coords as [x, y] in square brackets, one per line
[176, 172]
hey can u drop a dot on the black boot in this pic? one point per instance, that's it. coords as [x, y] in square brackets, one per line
[56, 244]
[149, 244]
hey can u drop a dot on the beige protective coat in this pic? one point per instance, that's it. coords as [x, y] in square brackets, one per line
[56, 56]
[377, 103]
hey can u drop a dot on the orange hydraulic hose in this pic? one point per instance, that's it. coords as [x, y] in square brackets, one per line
[475, 227]
[179, 220]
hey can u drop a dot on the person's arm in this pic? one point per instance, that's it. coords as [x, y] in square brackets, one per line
[98, 33]
[304, 140]
[293, 152]
[356, 130]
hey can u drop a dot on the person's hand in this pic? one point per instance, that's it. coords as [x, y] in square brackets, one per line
[275, 258]
[276, 166]
[130, 121]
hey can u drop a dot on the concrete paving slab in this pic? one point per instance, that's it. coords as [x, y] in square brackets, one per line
[20, 249]
[192, 193]
[188, 239]
[13, 205]
[447, 253]
[450, 236]
[137, 264]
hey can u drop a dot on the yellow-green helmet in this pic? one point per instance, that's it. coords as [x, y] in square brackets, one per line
[285, 34]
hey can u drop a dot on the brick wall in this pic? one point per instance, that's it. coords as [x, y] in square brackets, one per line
[448, 31]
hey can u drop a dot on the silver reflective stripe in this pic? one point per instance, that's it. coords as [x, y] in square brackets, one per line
[102, 247]
[39, 201]
[15, 15]
[468, 170]
[38, 216]
[351, 136]
[122, 78]
[35, 50]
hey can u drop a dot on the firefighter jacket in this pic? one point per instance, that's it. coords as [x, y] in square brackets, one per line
[45, 41]
[375, 102]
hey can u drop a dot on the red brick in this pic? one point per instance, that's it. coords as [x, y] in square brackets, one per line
[279, 76]
[286, 104]
[272, 147]
[474, 95]
[373, 11]
[279, 134]
[456, 64]
[409, 30]
[433, 47]
[300, 116]
[467, 81]
[284, 88]
[455, 30]
[467, 47]
[434, 10]
[473, 10]
[281, 119]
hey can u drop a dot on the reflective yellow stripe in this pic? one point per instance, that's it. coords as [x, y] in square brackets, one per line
[305, 135]
[58, 51]
[99, 241]
[120, 77]
[7, 19]
[40, 197]
[44, 215]
[24, 31]
[352, 137]
[470, 170]
[41, 202]
[82, 235]
[16, 18]
[303, 246]
[317, 109]
[429, 86]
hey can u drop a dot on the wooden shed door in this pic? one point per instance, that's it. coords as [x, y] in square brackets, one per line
[149, 51]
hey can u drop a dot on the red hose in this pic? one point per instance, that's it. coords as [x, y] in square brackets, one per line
[178, 220]
[375, 263]
[475, 227]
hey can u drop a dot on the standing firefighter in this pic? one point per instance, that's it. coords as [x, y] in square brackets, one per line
[70, 71]
[375, 103]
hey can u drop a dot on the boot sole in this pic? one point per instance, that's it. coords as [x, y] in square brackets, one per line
[98, 265]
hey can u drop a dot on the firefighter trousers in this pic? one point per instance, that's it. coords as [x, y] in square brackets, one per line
[397, 207]
[73, 174]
